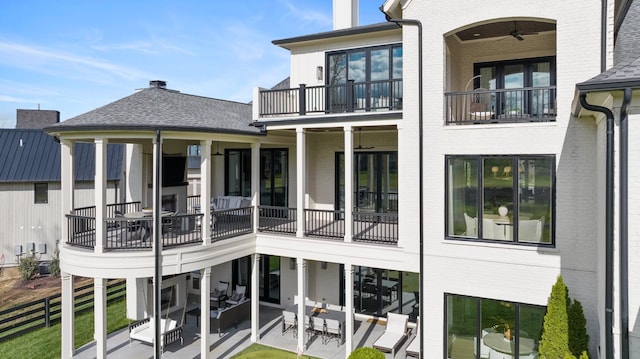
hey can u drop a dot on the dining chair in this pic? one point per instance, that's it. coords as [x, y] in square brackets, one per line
[333, 330]
[289, 322]
[317, 327]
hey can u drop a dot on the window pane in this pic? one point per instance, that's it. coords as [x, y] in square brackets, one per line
[498, 192]
[462, 197]
[357, 67]
[462, 337]
[535, 179]
[397, 63]
[530, 329]
[337, 69]
[40, 191]
[380, 65]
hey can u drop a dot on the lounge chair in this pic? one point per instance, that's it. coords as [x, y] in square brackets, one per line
[238, 295]
[144, 331]
[394, 334]
[219, 294]
[413, 349]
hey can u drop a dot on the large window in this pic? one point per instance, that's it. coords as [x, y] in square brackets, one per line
[378, 291]
[485, 328]
[238, 172]
[40, 193]
[511, 195]
[525, 86]
[376, 73]
[274, 177]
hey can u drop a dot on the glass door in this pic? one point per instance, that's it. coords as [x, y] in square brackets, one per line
[274, 177]
[269, 277]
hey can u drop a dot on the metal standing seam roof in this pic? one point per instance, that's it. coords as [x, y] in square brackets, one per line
[158, 108]
[34, 156]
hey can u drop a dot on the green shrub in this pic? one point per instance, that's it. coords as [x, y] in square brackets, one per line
[54, 265]
[555, 330]
[28, 267]
[366, 353]
[578, 337]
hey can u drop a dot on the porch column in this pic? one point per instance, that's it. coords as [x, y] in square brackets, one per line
[255, 182]
[348, 183]
[348, 298]
[100, 185]
[205, 322]
[255, 298]
[302, 300]
[301, 187]
[67, 185]
[100, 316]
[205, 190]
[67, 315]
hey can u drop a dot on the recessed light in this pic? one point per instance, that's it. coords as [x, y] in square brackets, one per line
[476, 35]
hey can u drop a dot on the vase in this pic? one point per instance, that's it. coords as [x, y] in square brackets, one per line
[502, 211]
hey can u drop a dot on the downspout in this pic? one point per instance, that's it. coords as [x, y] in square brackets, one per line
[157, 236]
[609, 188]
[624, 224]
[418, 24]
[603, 36]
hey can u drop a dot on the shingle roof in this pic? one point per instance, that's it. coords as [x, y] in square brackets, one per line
[157, 108]
[626, 68]
[29, 155]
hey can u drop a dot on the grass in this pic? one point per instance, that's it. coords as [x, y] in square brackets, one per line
[45, 342]
[257, 351]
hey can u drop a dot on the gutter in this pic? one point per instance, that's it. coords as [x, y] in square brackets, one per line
[609, 238]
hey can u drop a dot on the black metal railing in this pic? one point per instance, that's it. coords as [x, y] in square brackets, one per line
[530, 104]
[45, 312]
[324, 223]
[82, 230]
[231, 222]
[277, 219]
[365, 199]
[379, 228]
[335, 98]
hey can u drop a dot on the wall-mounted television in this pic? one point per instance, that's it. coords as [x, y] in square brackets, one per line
[174, 171]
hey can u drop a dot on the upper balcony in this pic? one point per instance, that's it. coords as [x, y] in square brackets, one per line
[501, 71]
[348, 97]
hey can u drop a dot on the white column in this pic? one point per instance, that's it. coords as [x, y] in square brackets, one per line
[67, 184]
[205, 190]
[67, 316]
[255, 298]
[100, 316]
[302, 295]
[300, 181]
[157, 187]
[348, 183]
[100, 190]
[255, 182]
[348, 297]
[205, 322]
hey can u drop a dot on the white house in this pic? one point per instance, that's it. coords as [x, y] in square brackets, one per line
[440, 163]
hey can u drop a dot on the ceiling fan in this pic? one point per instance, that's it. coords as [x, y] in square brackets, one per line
[517, 34]
[218, 152]
[359, 146]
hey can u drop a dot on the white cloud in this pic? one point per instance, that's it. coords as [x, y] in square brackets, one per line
[307, 15]
[62, 64]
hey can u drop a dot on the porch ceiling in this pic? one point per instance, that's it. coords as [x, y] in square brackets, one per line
[505, 28]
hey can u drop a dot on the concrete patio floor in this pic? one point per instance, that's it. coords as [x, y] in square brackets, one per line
[235, 340]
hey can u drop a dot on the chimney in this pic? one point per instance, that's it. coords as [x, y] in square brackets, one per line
[158, 84]
[36, 119]
[345, 14]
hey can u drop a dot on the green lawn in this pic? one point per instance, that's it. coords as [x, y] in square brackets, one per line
[257, 351]
[45, 342]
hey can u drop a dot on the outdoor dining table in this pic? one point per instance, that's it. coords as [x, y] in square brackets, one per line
[324, 313]
[498, 342]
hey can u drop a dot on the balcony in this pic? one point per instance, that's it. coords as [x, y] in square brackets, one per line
[128, 228]
[339, 98]
[367, 227]
[531, 104]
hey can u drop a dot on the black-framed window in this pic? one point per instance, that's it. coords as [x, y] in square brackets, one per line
[513, 195]
[376, 73]
[478, 327]
[40, 193]
[237, 164]
[536, 75]
[274, 177]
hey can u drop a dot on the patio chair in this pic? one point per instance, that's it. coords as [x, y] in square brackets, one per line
[413, 349]
[333, 330]
[219, 294]
[289, 322]
[394, 334]
[316, 326]
[238, 295]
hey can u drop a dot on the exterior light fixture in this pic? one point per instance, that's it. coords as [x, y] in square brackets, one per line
[319, 73]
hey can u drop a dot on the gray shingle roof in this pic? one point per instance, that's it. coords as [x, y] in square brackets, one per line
[626, 68]
[157, 108]
[30, 155]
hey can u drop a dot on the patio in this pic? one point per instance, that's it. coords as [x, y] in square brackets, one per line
[235, 340]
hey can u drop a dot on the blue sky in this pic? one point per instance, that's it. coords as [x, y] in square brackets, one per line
[74, 56]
